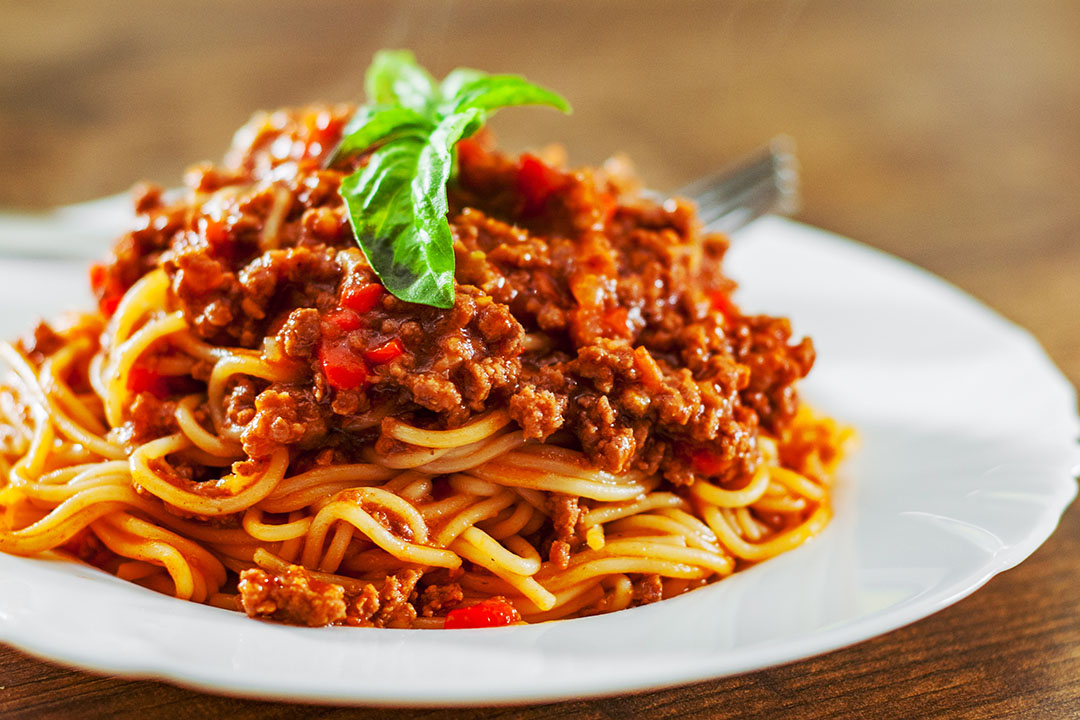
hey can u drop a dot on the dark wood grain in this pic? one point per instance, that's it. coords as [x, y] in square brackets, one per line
[943, 132]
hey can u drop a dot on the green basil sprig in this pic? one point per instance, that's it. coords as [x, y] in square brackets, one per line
[397, 201]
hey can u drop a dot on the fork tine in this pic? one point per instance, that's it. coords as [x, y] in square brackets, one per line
[764, 182]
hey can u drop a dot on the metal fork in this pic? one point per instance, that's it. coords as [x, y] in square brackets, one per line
[766, 181]
[763, 182]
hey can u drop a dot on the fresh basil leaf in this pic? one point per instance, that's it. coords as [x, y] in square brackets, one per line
[372, 124]
[395, 78]
[435, 166]
[409, 262]
[397, 202]
[456, 79]
[495, 91]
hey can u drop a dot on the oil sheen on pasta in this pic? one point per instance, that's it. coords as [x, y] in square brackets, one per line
[249, 420]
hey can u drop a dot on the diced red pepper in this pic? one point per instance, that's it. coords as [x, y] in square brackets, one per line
[344, 320]
[385, 353]
[361, 298]
[707, 463]
[468, 151]
[608, 205]
[495, 612]
[142, 379]
[536, 183]
[108, 304]
[721, 301]
[106, 287]
[99, 275]
[344, 369]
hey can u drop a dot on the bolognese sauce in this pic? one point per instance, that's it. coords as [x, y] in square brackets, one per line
[598, 323]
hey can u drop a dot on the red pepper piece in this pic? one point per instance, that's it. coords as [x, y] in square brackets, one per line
[385, 353]
[142, 379]
[468, 151]
[108, 304]
[361, 298]
[495, 612]
[721, 302]
[608, 205]
[106, 288]
[344, 320]
[99, 275]
[344, 369]
[706, 463]
[536, 183]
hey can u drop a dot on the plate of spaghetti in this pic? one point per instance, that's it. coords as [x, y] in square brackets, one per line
[285, 452]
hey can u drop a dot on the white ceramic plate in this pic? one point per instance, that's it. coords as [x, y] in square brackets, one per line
[967, 460]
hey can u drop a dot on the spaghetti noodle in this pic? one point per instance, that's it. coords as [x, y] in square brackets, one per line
[249, 421]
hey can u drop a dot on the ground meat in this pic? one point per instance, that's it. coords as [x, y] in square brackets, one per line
[41, 342]
[300, 334]
[648, 283]
[566, 522]
[761, 344]
[648, 589]
[539, 412]
[292, 597]
[208, 291]
[605, 437]
[395, 608]
[363, 607]
[565, 515]
[391, 607]
[240, 401]
[149, 418]
[284, 415]
[559, 554]
[455, 360]
[232, 303]
[437, 600]
[604, 362]
[146, 196]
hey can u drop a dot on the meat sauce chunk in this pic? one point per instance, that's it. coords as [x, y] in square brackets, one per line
[590, 313]
[292, 597]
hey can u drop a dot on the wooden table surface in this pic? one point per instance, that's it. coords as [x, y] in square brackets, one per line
[944, 132]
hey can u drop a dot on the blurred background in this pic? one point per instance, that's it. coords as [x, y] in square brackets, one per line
[944, 131]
